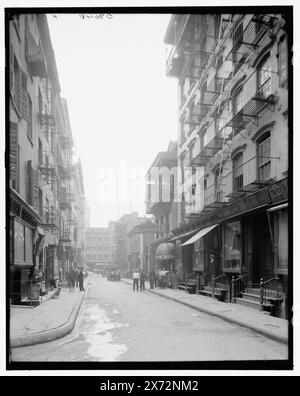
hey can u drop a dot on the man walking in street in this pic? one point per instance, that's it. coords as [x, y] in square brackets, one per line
[80, 279]
[136, 277]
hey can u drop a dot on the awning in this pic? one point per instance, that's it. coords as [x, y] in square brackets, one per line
[183, 235]
[165, 251]
[199, 234]
[278, 207]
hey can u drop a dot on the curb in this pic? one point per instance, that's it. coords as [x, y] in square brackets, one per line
[238, 322]
[51, 334]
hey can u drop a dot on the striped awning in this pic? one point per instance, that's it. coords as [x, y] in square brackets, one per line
[199, 234]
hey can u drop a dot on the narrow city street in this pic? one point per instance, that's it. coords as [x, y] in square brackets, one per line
[117, 324]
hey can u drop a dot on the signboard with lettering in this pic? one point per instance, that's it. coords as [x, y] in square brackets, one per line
[278, 191]
[145, 228]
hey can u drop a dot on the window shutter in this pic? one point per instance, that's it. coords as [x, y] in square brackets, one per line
[35, 190]
[23, 95]
[13, 153]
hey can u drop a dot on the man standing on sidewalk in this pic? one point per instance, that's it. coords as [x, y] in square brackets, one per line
[142, 280]
[135, 277]
[80, 279]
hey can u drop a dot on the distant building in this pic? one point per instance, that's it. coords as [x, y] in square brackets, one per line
[122, 227]
[99, 245]
[161, 190]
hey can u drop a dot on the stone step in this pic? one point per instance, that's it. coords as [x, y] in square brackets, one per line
[248, 303]
[253, 304]
[252, 297]
[252, 290]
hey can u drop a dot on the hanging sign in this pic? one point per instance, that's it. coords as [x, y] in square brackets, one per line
[145, 228]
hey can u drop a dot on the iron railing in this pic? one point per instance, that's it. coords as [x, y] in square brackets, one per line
[270, 291]
[238, 286]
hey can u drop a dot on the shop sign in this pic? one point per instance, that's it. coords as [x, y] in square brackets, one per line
[145, 228]
[278, 191]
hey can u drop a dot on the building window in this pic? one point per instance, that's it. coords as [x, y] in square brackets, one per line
[264, 75]
[233, 246]
[17, 84]
[282, 61]
[237, 100]
[238, 172]
[29, 119]
[40, 202]
[264, 157]
[203, 139]
[237, 40]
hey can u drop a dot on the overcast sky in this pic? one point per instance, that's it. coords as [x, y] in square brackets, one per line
[122, 106]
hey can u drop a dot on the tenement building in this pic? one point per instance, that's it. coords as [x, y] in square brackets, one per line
[161, 203]
[43, 186]
[232, 73]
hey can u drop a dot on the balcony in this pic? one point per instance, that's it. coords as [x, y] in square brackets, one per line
[35, 56]
[71, 218]
[65, 236]
[248, 178]
[50, 220]
[47, 166]
[160, 199]
[65, 141]
[206, 149]
[251, 176]
[174, 65]
[65, 170]
[249, 38]
[254, 101]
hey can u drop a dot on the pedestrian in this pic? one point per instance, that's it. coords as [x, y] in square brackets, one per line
[152, 279]
[76, 277]
[71, 279]
[60, 275]
[80, 279]
[142, 280]
[163, 277]
[136, 277]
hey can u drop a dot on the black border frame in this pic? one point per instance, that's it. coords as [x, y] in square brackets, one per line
[184, 365]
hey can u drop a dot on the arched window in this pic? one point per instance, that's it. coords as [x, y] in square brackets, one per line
[264, 157]
[237, 164]
[203, 138]
[264, 75]
[218, 184]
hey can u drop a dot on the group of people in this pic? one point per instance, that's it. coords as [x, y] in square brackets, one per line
[157, 279]
[138, 280]
[75, 278]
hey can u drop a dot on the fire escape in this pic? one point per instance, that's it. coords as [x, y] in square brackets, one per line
[256, 95]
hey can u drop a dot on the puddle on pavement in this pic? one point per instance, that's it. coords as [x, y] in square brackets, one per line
[97, 332]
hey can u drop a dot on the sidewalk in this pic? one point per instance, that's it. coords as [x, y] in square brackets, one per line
[48, 321]
[252, 319]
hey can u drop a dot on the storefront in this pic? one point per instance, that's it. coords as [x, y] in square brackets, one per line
[23, 222]
[204, 251]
